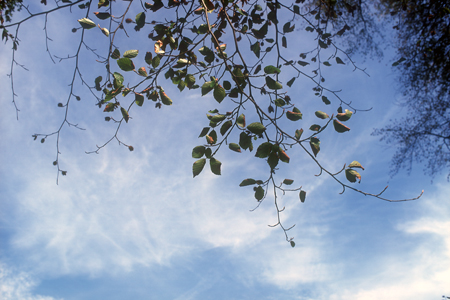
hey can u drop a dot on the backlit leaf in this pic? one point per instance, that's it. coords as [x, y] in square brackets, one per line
[344, 116]
[264, 150]
[86, 23]
[247, 181]
[352, 175]
[302, 196]
[125, 64]
[271, 70]
[225, 126]
[235, 147]
[321, 115]
[355, 164]
[294, 115]
[272, 84]
[259, 193]
[219, 93]
[164, 98]
[131, 53]
[240, 121]
[139, 99]
[288, 181]
[125, 115]
[298, 134]
[256, 128]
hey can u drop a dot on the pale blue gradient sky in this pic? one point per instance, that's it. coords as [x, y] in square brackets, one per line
[135, 225]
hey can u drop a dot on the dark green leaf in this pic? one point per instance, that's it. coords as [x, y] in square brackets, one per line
[302, 196]
[339, 127]
[294, 115]
[315, 145]
[321, 115]
[198, 151]
[125, 115]
[215, 165]
[315, 127]
[204, 132]
[288, 181]
[339, 61]
[125, 64]
[219, 93]
[140, 21]
[264, 150]
[344, 116]
[247, 181]
[352, 175]
[273, 160]
[272, 84]
[225, 126]
[245, 141]
[290, 82]
[325, 100]
[115, 54]
[259, 193]
[139, 98]
[208, 87]
[240, 121]
[198, 166]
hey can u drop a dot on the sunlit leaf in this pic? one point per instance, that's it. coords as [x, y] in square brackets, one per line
[125, 64]
[240, 121]
[344, 116]
[315, 127]
[256, 128]
[131, 53]
[321, 115]
[355, 164]
[164, 98]
[86, 23]
[283, 156]
[235, 147]
[271, 70]
[125, 114]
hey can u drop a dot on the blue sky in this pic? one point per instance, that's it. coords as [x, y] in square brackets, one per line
[135, 225]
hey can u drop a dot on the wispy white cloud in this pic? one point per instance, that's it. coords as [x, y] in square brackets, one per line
[18, 285]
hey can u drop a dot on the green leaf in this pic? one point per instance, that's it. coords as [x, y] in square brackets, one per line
[344, 116]
[288, 181]
[294, 115]
[321, 115]
[284, 42]
[247, 181]
[256, 128]
[273, 160]
[327, 64]
[298, 134]
[198, 151]
[197, 167]
[215, 165]
[303, 63]
[288, 28]
[280, 102]
[219, 93]
[204, 132]
[125, 64]
[292, 242]
[290, 82]
[272, 70]
[355, 164]
[235, 147]
[131, 53]
[227, 85]
[339, 127]
[322, 44]
[142, 72]
[86, 23]
[259, 193]
[164, 98]
[339, 61]
[139, 99]
[208, 87]
[315, 127]
[315, 145]
[272, 84]
[97, 83]
[190, 80]
[256, 48]
[118, 80]
[125, 115]
[240, 121]
[245, 141]
[156, 61]
[325, 100]
[218, 118]
[302, 196]
[115, 54]
[352, 175]
[140, 21]
[264, 150]
[225, 126]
